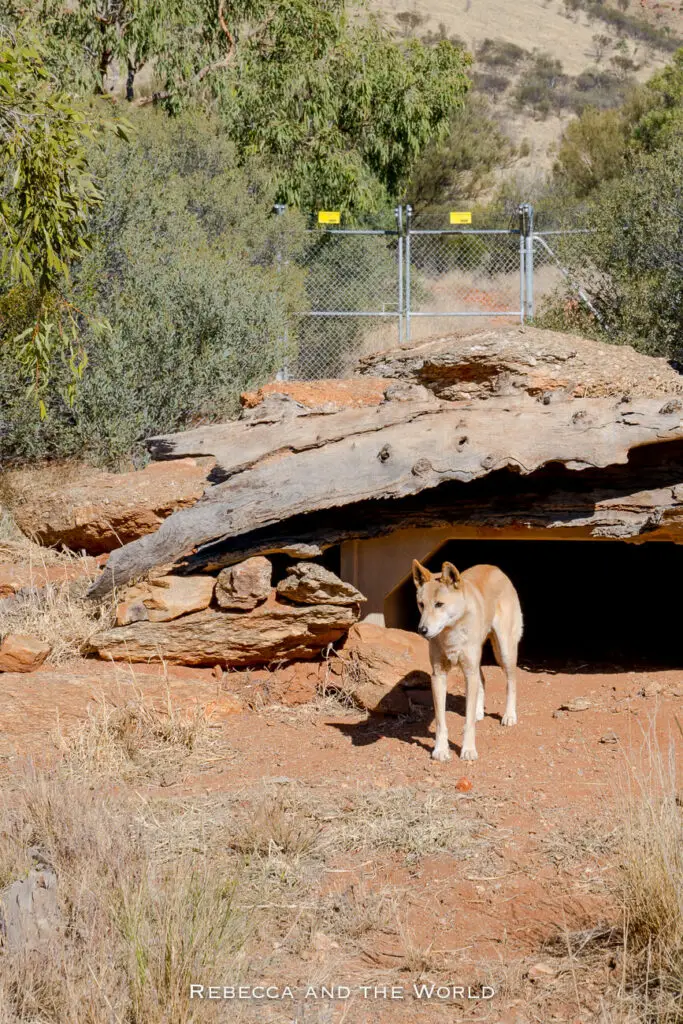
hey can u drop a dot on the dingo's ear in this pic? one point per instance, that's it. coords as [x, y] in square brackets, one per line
[450, 575]
[420, 574]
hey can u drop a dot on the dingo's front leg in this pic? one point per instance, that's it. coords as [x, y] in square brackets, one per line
[471, 669]
[441, 750]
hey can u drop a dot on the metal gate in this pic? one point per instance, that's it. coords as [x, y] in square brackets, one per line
[370, 289]
[464, 272]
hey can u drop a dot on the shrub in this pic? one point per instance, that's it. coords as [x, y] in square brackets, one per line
[184, 268]
[500, 53]
[462, 166]
[541, 87]
[593, 150]
[632, 264]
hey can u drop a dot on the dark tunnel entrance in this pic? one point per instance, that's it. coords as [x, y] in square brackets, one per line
[586, 604]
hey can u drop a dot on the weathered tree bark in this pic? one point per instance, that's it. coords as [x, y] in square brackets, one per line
[274, 472]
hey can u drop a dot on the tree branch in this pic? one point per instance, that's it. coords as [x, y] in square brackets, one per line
[224, 61]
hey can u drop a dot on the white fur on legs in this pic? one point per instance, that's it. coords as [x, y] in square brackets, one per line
[441, 750]
[473, 687]
[505, 650]
[480, 699]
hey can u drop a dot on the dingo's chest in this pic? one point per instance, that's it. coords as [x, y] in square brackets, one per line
[456, 642]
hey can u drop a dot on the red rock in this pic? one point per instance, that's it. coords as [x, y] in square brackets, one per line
[242, 587]
[378, 665]
[20, 653]
[269, 633]
[16, 576]
[310, 583]
[323, 395]
[95, 511]
[165, 598]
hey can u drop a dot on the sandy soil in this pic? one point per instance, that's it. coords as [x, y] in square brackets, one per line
[542, 808]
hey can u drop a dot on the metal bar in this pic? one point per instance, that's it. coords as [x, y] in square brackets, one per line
[342, 312]
[510, 312]
[350, 231]
[522, 278]
[409, 218]
[399, 255]
[572, 231]
[470, 231]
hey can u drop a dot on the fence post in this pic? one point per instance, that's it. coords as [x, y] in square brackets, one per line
[526, 216]
[283, 372]
[409, 220]
[399, 226]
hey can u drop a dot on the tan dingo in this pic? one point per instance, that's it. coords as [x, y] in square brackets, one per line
[459, 613]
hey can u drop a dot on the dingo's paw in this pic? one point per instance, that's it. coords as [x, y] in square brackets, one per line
[509, 718]
[468, 754]
[441, 754]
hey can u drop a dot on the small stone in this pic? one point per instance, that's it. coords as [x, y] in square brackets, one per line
[20, 653]
[310, 583]
[650, 688]
[131, 611]
[578, 704]
[559, 714]
[323, 943]
[463, 785]
[609, 737]
[243, 586]
[541, 972]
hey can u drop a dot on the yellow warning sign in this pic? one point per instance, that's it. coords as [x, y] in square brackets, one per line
[461, 218]
[329, 217]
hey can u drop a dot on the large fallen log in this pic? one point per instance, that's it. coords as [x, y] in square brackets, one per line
[273, 472]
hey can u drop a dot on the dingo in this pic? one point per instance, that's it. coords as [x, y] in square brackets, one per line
[460, 611]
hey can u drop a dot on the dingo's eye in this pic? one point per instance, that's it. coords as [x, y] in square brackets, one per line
[420, 605]
[438, 604]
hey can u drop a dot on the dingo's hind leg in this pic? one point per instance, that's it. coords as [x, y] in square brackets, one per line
[505, 638]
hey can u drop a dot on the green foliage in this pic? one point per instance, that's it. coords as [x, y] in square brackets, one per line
[461, 167]
[593, 150]
[601, 145]
[345, 115]
[656, 111]
[339, 109]
[48, 197]
[632, 264]
[184, 268]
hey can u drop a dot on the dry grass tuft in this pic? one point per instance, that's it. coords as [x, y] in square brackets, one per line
[650, 888]
[138, 741]
[133, 932]
[643, 949]
[57, 614]
[404, 821]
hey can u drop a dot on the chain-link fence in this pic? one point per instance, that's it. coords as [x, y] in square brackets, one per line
[371, 289]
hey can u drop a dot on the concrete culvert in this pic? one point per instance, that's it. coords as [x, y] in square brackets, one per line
[602, 604]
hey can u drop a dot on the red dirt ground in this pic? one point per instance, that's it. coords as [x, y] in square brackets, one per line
[545, 791]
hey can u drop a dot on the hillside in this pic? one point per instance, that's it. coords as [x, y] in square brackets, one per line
[561, 53]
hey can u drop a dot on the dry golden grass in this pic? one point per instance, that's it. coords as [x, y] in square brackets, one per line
[134, 932]
[642, 947]
[140, 740]
[55, 612]
[650, 888]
